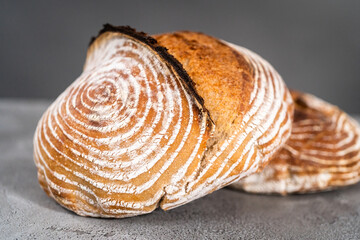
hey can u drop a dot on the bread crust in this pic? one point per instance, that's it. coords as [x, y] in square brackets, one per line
[220, 73]
[159, 122]
[247, 100]
[322, 153]
[108, 31]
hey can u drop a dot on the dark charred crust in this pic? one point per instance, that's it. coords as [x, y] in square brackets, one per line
[162, 51]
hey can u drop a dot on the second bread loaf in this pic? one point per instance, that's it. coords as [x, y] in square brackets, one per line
[322, 153]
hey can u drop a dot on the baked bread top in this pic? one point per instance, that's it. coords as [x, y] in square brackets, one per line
[220, 74]
[322, 153]
[247, 100]
[147, 124]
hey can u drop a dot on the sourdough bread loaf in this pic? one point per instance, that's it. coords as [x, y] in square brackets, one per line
[159, 122]
[323, 152]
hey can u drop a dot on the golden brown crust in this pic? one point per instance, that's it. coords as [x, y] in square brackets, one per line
[131, 115]
[247, 100]
[133, 132]
[109, 30]
[323, 152]
[220, 73]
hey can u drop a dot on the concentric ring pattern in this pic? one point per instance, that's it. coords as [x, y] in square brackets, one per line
[262, 129]
[144, 126]
[323, 152]
[121, 133]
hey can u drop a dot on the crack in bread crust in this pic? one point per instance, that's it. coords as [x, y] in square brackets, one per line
[134, 131]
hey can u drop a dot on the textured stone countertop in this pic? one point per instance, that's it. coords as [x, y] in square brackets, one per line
[27, 213]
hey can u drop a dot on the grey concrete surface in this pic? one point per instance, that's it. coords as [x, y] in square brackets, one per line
[27, 213]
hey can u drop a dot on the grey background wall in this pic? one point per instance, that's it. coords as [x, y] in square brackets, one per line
[315, 45]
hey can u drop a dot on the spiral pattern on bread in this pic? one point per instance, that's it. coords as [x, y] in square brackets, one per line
[244, 141]
[137, 130]
[322, 153]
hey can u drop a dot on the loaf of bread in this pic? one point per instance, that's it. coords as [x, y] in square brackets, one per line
[322, 153]
[159, 122]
